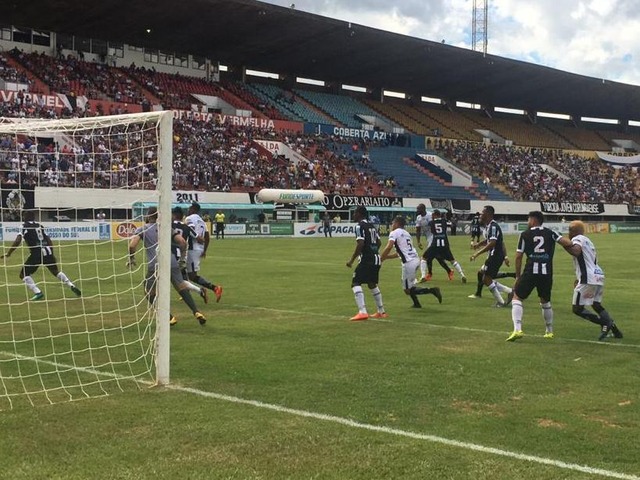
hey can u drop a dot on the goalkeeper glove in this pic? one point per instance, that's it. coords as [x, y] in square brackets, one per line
[182, 263]
[132, 262]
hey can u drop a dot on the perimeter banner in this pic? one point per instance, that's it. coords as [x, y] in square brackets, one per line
[346, 202]
[589, 208]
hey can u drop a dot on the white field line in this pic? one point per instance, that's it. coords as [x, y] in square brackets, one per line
[363, 426]
[431, 325]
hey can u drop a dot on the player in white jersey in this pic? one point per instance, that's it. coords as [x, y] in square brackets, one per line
[400, 240]
[422, 228]
[589, 284]
[198, 250]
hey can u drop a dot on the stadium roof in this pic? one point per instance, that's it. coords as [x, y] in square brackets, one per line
[287, 41]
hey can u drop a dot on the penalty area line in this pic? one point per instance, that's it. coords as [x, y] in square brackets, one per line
[350, 423]
[430, 325]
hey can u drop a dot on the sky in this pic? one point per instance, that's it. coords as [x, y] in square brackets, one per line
[598, 38]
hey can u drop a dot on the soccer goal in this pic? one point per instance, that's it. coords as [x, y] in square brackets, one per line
[83, 327]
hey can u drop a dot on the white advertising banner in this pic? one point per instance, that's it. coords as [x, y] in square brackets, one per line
[313, 229]
[235, 229]
[61, 230]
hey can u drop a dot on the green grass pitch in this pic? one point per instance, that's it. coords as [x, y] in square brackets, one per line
[375, 399]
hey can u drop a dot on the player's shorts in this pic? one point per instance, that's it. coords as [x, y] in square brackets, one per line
[219, 226]
[177, 277]
[585, 294]
[366, 273]
[475, 232]
[409, 273]
[439, 252]
[529, 281]
[34, 260]
[193, 261]
[493, 264]
[150, 282]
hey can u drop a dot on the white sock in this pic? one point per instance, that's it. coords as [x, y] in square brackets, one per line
[516, 315]
[359, 296]
[423, 268]
[547, 315]
[377, 296]
[503, 288]
[64, 279]
[31, 284]
[493, 288]
[192, 287]
[458, 268]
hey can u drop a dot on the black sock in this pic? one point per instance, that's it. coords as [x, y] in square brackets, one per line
[592, 317]
[421, 291]
[480, 284]
[430, 266]
[188, 300]
[443, 264]
[412, 294]
[204, 282]
[506, 275]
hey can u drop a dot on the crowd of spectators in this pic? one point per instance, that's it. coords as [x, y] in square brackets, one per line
[207, 156]
[11, 74]
[524, 172]
[172, 90]
[226, 158]
[72, 76]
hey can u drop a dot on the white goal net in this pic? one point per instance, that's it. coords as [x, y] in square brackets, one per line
[74, 319]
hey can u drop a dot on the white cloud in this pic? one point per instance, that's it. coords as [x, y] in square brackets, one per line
[598, 38]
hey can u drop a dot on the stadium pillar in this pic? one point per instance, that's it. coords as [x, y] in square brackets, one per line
[377, 95]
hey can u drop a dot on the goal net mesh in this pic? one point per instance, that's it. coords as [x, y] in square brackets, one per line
[88, 331]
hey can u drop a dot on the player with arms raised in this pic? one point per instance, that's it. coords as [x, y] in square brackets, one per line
[40, 253]
[148, 235]
[368, 269]
[400, 240]
[589, 284]
[538, 243]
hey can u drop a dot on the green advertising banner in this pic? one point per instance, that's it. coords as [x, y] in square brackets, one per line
[627, 227]
[281, 228]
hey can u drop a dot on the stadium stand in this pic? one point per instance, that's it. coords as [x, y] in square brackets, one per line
[342, 108]
[9, 73]
[523, 172]
[289, 104]
[226, 158]
[75, 77]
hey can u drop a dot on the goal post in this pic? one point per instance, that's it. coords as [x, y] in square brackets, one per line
[82, 327]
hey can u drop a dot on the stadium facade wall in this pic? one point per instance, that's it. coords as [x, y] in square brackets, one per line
[87, 198]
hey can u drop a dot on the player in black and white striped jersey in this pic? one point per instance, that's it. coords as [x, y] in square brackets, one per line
[493, 244]
[400, 240]
[538, 243]
[189, 235]
[368, 268]
[40, 253]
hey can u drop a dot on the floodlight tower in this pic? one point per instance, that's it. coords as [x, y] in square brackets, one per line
[479, 26]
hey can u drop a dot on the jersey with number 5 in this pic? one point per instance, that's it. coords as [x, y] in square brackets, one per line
[538, 244]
